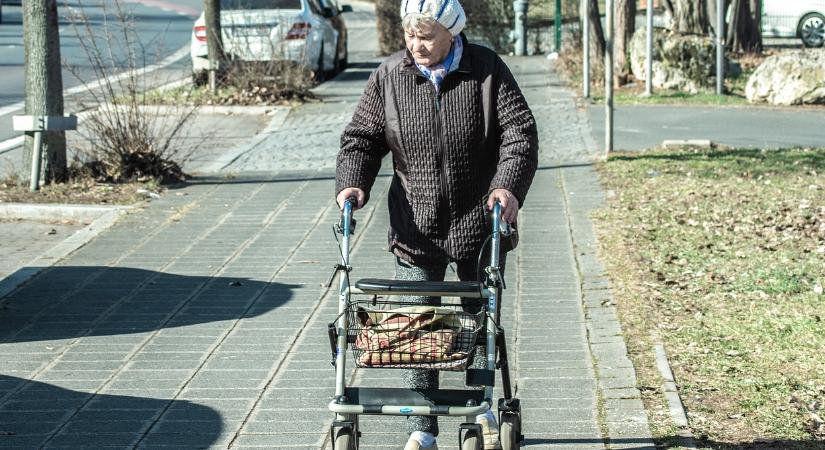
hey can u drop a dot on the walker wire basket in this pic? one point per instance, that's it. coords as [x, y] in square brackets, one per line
[403, 335]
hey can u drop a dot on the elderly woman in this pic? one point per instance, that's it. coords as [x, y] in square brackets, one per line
[461, 137]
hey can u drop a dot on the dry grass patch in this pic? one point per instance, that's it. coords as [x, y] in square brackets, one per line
[79, 189]
[719, 254]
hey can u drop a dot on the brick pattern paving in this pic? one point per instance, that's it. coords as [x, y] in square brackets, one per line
[24, 240]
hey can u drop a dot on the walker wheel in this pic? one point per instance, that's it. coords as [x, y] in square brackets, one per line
[344, 440]
[471, 441]
[509, 431]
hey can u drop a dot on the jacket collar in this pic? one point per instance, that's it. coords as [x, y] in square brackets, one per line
[464, 66]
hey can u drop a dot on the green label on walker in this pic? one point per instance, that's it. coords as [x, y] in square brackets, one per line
[406, 410]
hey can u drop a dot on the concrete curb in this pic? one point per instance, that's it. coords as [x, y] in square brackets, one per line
[170, 110]
[46, 212]
[621, 412]
[101, 218]
[674, 400]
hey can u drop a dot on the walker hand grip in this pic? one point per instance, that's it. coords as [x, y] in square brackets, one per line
[496, 216]
[346, 212]
[495, 243]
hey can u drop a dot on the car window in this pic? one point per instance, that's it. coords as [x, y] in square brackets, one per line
[332, 4]
[316, 7]
[260, 4]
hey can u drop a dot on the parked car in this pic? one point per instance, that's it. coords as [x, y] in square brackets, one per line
[803, 19]
[309, 32]
[8, 3]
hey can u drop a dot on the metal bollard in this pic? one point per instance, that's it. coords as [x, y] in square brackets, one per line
[520, 8]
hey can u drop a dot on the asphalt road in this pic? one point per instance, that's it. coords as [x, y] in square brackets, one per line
[641, 127]
[162, 26]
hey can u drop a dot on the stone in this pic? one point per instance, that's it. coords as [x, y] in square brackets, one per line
[789, 78]
[681, 62]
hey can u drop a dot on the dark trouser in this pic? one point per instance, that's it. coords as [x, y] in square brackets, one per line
[425, 378]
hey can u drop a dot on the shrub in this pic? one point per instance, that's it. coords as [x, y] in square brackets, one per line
[125, 140]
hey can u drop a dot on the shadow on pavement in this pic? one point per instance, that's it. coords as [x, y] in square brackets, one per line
[70, 302]
[369, 65]
[65, 418]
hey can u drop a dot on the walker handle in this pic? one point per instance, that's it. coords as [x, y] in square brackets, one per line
[495, 244]
[347, 224]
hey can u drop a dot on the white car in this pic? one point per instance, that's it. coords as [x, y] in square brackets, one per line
[310, 32]
[804, 19]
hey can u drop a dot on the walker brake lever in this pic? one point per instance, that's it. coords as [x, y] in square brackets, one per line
[339, 227]
[505, 229]
[495, 274]
[335, 269]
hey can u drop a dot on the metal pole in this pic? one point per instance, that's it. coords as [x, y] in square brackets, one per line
[586, 49]
[720, 47]
[520, 8]
[37, 149]
[608, 79]
[649, 59]
[558, 26]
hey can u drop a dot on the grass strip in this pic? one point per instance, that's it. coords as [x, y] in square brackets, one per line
[721, 255]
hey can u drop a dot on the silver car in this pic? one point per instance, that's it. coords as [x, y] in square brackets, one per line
[310, 32]
[803, 19]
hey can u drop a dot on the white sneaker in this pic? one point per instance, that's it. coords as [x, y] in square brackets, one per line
[414, 444]
[489, 429]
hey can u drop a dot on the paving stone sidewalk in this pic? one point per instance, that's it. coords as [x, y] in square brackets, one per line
[200, 322]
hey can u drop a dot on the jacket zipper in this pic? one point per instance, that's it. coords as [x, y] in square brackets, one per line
[444, 216]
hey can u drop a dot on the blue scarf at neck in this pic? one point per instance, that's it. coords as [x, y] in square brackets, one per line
[437, 72]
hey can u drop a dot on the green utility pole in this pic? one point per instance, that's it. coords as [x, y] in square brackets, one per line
[558, 26]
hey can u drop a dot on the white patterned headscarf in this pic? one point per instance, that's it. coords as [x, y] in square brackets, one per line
[448, 13]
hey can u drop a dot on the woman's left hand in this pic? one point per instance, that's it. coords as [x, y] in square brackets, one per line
[509, 204]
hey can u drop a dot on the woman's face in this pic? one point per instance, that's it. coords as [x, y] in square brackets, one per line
[430, 44]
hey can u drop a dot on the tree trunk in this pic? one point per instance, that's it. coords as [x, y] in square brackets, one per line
[214, 38]
[597, 42]
[713, 14]
[44, 84]
[744, 32]
[388, 21]
[625, 26]
[689, 16]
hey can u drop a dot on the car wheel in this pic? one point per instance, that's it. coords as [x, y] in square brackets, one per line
[319, 71]
[812, 30]
[336, 67]
[344, 63]
[200, 78]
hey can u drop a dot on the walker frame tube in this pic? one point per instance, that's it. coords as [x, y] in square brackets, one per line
[490, 291]
[343, 296]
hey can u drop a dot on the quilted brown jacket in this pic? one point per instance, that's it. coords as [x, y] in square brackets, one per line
[449, 150]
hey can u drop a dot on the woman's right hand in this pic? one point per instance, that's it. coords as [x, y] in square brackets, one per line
[355, 192]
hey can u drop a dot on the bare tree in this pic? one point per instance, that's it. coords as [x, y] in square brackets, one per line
[625, 26]
[214, 41]
[390, 33]
[44, 83]
[744, 31]
[597, 42]
[689, 16]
